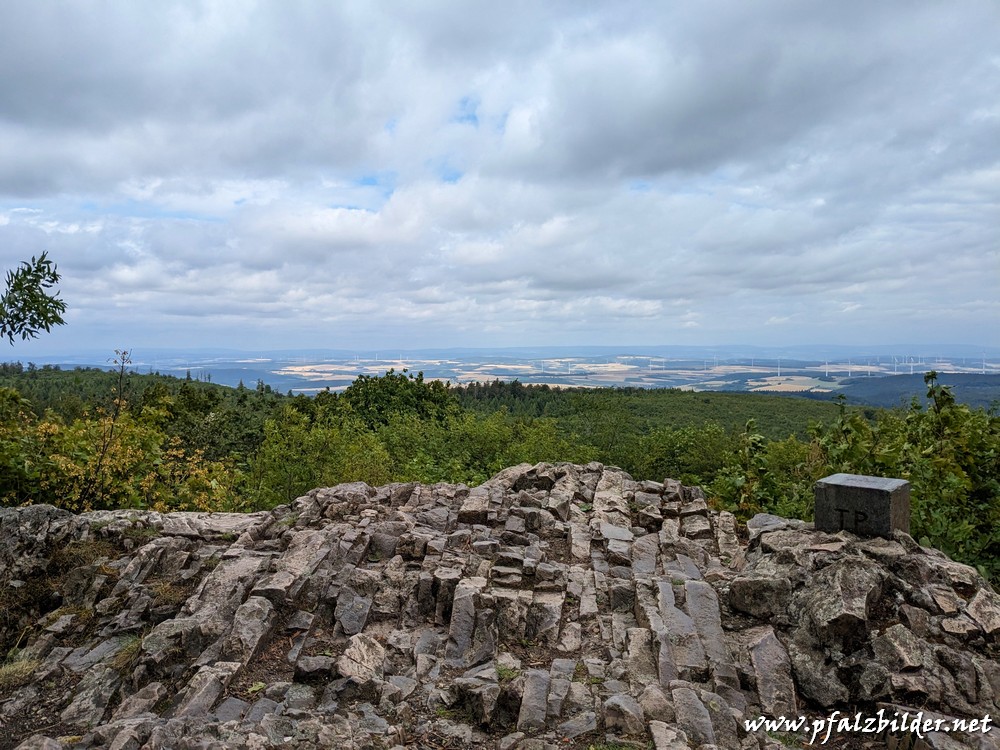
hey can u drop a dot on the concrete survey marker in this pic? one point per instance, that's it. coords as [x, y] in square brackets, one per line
[867, 506]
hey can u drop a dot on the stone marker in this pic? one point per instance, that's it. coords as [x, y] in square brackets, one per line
[867, 506]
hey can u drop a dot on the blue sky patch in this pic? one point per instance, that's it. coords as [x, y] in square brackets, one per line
[467, 112]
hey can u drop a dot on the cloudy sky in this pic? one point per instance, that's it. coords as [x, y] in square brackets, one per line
[436, 173]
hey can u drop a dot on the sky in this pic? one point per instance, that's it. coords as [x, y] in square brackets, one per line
[263, 175]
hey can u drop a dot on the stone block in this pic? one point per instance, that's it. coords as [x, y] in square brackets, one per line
[866, 506]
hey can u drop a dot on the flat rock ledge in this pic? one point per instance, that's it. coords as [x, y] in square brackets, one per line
[553, 606]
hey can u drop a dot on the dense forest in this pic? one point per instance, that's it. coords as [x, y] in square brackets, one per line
[88, 438]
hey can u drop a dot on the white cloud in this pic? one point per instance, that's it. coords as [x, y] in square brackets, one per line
[317, 175]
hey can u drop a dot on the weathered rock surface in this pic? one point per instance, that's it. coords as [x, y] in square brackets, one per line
[553, 606]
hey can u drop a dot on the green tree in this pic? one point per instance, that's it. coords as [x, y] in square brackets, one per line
[26, 306]
[376, 399]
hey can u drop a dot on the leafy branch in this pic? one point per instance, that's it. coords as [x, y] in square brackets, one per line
[26, 306]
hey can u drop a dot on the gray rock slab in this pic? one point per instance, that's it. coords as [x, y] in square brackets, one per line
[140, 702]
[352, 611]
[544, 616]
[611, 531]
[696, 527]
[91, 697]
[198, 525]
[299, 697]
[766, 598]
[666, 737]
[205, 688]
[262, 707]
[534, 701]
[655, 703]
[363, 659]
[839, 606]
[687, 650]
[84, 658]
[223, 591]
[624, 713]
[476, 508]
[252, 625]
[231, 709]
[815, 677]
[702, 605]
[723, 722]
[558, 690]
[692, 716]
[313, 667]
[899, 650]
[985, 610]
[40, 742]
[583, 722]
[640, 659]
[644, 554]
[463, 621]
[773, 670]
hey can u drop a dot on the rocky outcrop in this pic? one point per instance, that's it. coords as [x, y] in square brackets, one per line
[553, 606]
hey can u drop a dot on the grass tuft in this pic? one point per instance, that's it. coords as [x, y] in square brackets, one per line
[127, 655]
[16, 673]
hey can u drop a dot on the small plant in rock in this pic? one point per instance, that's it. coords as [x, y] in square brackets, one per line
[141, 534]
[256, 688]
[17, 672]
[83, 614]
[128, 654]
[457, 714]
[506, 674]
[106, 570]
[79, 553]
[166, 592]
[620, 745]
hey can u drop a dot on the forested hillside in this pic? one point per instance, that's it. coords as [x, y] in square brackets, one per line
[968, 388]
[86, 439]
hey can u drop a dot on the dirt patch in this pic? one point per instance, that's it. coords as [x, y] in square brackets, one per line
[41, 714]
[269, 667]
[558, 550]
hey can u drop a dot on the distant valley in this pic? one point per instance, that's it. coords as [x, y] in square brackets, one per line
[885, 377]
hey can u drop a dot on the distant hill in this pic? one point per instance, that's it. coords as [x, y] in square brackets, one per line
[899, 390]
